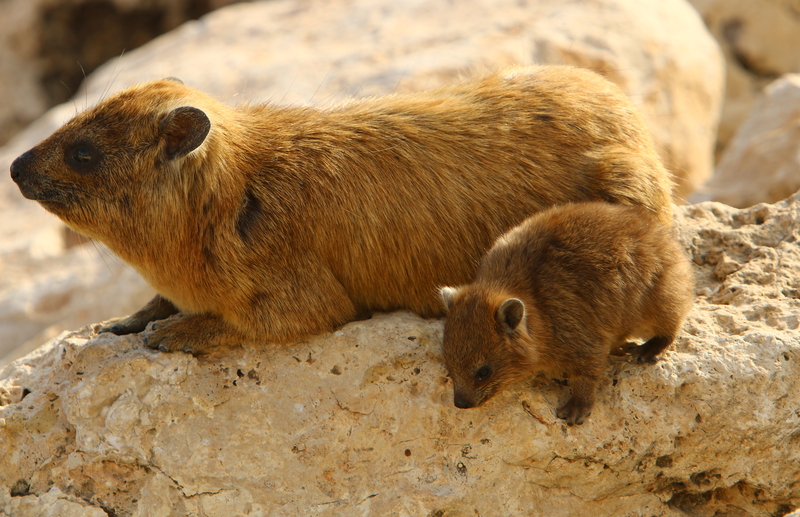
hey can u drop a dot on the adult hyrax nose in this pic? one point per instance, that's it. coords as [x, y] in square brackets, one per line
[20, 166]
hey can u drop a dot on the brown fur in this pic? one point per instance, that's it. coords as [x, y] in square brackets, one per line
[558, 293]
[277, 222]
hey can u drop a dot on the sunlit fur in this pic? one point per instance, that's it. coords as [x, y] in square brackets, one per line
[591, 276]
[289, 221]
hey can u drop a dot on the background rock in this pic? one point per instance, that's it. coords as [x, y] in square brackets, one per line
[762, 163]
[300, 52]
[361, 422]
[48, 46]
[761, 42]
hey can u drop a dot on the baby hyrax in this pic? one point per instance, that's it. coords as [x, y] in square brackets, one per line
[558, 293]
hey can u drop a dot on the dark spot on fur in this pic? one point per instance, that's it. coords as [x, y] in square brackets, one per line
[208, 240]
[259, 300]
[127, 204]
[249, 215]
[208, 254]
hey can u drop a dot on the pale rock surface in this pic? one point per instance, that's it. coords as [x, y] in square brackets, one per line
[301, 52]
[762, 163]
[361, 421]
[761, 42]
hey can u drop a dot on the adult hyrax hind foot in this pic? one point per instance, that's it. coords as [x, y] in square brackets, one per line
[192, 333]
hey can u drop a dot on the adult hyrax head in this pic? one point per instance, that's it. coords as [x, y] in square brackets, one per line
[88, 171]
[560, 292]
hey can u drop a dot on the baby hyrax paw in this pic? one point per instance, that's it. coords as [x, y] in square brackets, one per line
[574, 411]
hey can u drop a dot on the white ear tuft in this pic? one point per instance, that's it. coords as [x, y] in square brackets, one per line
[448, 295]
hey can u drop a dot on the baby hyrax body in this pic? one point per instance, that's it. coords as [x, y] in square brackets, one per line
[271, 223]
[558, 293]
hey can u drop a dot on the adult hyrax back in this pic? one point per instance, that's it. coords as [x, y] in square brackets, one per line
[558, 293]
[277, 222]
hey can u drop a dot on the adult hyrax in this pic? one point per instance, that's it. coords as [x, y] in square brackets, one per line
[558, 293]
[272, 223]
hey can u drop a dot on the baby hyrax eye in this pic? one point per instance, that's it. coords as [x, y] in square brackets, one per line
[483, 373]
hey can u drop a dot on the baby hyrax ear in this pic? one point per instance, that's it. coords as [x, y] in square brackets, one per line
[448, 295]
[511, 315]
[182, 131]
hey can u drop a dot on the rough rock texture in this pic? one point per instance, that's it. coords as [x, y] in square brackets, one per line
[47, 46]
[294, 51]
[762, 163]
[761, 42]
[361, 422]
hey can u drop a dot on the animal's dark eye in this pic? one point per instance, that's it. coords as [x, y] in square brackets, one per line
[82, 155]
[483, 373]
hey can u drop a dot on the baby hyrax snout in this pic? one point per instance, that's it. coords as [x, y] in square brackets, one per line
[557, 294]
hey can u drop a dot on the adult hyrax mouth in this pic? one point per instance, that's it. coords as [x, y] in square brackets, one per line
[32, 187]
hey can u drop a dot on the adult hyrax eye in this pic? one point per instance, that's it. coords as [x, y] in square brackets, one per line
[82, 156]
[483, 373]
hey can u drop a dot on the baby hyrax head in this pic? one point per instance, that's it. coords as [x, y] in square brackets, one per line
[105, 163]
[486, 343]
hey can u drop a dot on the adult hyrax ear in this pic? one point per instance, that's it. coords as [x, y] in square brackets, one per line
[448, 295]
[511, 314]
[182, 131]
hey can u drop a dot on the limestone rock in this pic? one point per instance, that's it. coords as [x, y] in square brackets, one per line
[299, 52]
[761, 41]
[361, 421]
[762, 162]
